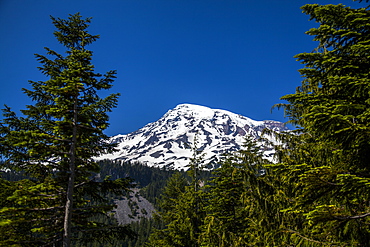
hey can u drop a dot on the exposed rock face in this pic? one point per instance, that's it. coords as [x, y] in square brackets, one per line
[166, 142]
[133, 209]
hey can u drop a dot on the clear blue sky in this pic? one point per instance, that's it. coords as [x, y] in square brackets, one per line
[235, 55]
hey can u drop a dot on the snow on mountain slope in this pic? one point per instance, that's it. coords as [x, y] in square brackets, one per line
[166, 142]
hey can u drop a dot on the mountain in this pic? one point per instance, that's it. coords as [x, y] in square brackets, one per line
[167, 141]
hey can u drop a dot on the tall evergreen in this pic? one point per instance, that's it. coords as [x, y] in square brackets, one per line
[182, 207]
[330, 162]
[244, 202]
[167, 211]
[225, 222]
[54, 143]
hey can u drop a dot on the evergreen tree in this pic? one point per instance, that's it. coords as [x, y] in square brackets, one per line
[182, 207]
[330, 161]
[168, 202]
[225, 212]
[54, 143]
[243, 202]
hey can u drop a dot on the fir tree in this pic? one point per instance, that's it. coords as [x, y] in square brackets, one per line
[168, 202]
[242, 202]
[330, 161]
[182, 207]
[54, 143]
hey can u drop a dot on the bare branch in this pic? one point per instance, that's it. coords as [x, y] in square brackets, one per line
[352, 217]
[311, 240]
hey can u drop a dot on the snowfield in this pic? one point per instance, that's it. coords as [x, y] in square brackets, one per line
[167, 142]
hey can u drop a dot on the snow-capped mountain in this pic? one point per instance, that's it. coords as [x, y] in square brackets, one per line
[167, 141]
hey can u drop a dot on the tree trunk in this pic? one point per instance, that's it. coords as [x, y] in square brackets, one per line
[71, 180]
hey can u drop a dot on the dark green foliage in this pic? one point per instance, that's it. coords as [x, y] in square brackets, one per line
[181, 211]
[182, 207]
[243, 208]
[329, 160]
[240, 205]
[318, 192]
[150, 180]
[54, 144]
[225, 213]
[13, 175]
[143, 228]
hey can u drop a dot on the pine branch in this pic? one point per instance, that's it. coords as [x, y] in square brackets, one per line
[311, 240]
[43, 209]
[352, 217]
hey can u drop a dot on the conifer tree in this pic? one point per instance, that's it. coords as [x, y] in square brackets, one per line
[54, 143]
[182, 207]
[225, 217]
[243, 202]
[331, 111]
[168, 203]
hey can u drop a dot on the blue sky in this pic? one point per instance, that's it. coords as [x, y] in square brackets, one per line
[235, 55]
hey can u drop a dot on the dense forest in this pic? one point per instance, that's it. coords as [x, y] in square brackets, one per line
[315, 193]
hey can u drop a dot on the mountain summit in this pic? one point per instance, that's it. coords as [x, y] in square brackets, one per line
[167, 142]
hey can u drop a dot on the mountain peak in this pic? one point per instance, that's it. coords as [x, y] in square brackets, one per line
[203, 112]
[165, 142]
[189, 110]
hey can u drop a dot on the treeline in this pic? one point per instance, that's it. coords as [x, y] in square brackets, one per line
[150, 180]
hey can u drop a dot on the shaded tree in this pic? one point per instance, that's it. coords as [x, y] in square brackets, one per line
[330, 160]
[182, 207]
[55, 142]
[244, 200]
